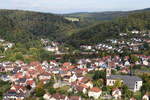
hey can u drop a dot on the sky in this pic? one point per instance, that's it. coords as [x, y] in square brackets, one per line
[71, 6]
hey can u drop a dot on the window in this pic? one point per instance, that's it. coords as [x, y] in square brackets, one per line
[136, 86]
[113, 82]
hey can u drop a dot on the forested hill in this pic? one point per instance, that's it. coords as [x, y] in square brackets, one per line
[26, 27]
[106, 29]
[98, 16]
[101, 16]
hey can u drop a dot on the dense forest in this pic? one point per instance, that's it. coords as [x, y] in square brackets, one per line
[28, 27]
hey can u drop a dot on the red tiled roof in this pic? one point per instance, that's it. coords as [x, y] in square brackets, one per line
[64, 69]
[66, 64]
[74, 98]
[30, 82]
[19, 75]
[85, 79]
[84, 85]
[84, 69]
[95, 89]
[71, 67]
[58, 96]
[53, 61]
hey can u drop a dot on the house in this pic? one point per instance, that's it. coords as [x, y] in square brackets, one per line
[21, 81]
[135, 31]
[127, 63]
[145, 62]
[52, 49]
[80, 88]
[89, 84]
[64, 72]
[53, 62]
[9, 68]
[123, 34]
[31, 82]
[2, 40]
[116, 93]
[66, 64]
[46, 96]
[75, 98]
[86, 47]
[2, 69]
[134, 83]
[13, 95]
[18, 88]
[125, 70]
[5, 77]
[58, 96]
[146, 97]
[60, 83]
[55, 71]
[73, 78]
[44, 76]
[95, 92]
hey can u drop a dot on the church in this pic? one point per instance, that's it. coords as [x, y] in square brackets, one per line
[134, 83]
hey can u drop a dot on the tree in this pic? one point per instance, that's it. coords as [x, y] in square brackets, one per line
[146, 46]
[145, 88]
[51, 90]
[19, 56]
[98, 83]
[99, 75]
[117, 84]
[134, 58]
[44, 55]
[39, 92]
[126, 92]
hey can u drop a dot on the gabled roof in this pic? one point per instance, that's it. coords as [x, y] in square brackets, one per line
[58, 96]
[74, 98]
[95, 89]
[66, 64]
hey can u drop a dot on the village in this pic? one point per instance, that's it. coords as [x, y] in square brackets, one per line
[111, 77]
[135, 42]
[75, 79]
[74, 50]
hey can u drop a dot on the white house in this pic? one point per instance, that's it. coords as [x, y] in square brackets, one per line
[89, 84]
[73, 78]
[146, 97]
[127, 63]
[145, 63]
[95, 92]
[135, 32]
[47, 96]
[52, 49]
[116, 93]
